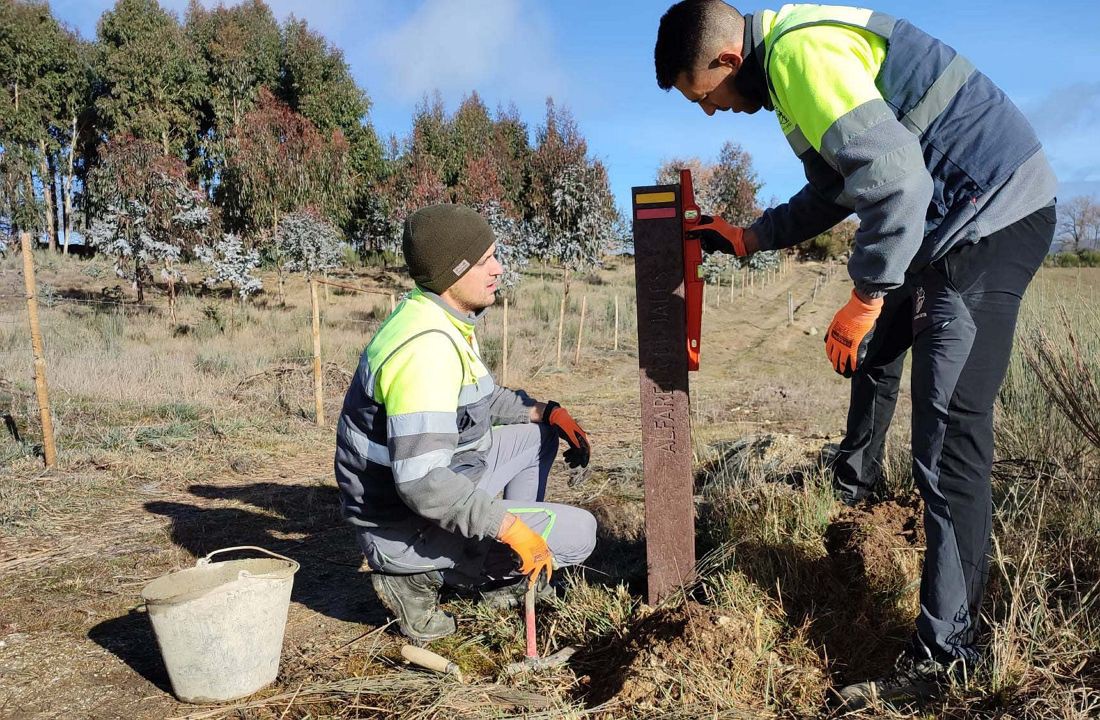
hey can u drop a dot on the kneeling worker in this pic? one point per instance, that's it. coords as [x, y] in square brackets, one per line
[427, 441]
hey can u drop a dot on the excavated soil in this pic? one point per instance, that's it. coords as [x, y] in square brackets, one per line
[695, 655]
[878, 547]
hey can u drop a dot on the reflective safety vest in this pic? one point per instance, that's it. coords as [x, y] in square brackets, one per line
[850, 88]
[420, 400]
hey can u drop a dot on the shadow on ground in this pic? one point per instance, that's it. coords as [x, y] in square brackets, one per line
[299, 521]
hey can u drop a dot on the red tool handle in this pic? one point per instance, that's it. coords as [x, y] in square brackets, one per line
[693, 271]
[529, 619]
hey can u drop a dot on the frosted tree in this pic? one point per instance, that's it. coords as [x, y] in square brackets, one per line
[582, 223]
[149, 215]
[232, 262]
[727, 188]
[308, 243]
[515, 239]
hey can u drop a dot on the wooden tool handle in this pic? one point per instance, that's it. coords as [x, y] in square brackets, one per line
[430, 660]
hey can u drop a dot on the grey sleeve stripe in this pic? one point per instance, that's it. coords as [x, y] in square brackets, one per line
[881, 24]
[798, 141]
[939, 95]
[850, 126]
[417, 467]
[421, 422]
[758, 30]
[884, 169]
[363, 445]
[407, 447]
[469, 394]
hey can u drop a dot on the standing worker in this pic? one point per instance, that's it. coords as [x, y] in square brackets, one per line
[426, 441]
[955, 201]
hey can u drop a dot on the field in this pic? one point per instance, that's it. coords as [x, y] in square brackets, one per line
[180, 437]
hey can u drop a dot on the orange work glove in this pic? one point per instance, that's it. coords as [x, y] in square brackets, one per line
[850, 332]
[717, 235]
[580, 450]
[533, 551]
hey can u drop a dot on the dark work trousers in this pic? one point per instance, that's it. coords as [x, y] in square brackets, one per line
[857, 467]
[959, 316]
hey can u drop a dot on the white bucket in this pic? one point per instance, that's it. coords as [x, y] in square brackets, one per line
[220, 625]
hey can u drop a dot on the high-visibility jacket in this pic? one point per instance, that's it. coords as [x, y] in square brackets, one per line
[416, 422]
[894, 125]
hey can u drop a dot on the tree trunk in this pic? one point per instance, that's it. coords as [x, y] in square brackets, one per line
[171, 295]
[52, 164]
[137, 280]
[164, 141]
[28, 200]
[67, 188]
[44, 177]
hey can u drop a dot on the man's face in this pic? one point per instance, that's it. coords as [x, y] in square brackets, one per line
[477, 289]
[712, 88]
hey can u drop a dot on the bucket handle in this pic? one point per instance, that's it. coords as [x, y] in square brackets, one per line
[205, 560]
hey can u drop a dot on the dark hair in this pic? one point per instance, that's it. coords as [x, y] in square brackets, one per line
[686, 29]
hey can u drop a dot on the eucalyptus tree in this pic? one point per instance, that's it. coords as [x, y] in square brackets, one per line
[148, 214]
[151, 80]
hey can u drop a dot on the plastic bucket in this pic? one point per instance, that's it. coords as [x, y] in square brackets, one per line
[220, 625]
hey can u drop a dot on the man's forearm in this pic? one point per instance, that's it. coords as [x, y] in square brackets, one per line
[452, 501]
[806, 215]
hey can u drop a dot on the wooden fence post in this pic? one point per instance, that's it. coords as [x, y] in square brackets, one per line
[790, 308]
[504, 368]
[561, 324]
[41, 389]
[580, 331]
[616, 347]
[318, 380]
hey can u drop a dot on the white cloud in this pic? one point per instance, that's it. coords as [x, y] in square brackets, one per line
[1067, 120]
[502, 48]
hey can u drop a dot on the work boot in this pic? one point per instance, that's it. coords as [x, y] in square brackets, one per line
[414, 601]
[913, 678]
[511, 595]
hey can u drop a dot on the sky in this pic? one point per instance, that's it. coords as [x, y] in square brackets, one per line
[596, 58]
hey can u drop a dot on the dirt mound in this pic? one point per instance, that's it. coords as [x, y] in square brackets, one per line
[878, 547]
[695, 655]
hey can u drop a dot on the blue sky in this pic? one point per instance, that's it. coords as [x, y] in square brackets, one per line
[595, 56]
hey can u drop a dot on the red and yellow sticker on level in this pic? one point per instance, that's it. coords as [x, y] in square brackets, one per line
[660, 205]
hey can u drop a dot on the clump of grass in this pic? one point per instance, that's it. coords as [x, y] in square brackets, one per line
[1067, 365]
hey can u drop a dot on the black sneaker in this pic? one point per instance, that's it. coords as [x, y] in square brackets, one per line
[511, 595]
[913, 678]
[414, 601]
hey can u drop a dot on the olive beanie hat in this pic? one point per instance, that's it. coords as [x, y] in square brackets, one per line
[442, 242]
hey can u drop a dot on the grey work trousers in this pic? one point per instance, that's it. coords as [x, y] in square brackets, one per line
[518, 465]
[959, 317]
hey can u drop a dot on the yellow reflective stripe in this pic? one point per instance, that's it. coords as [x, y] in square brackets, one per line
[652, 198]
[821, 73]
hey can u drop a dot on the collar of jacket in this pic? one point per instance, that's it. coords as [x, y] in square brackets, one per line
[751, 80]
[463, 321]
